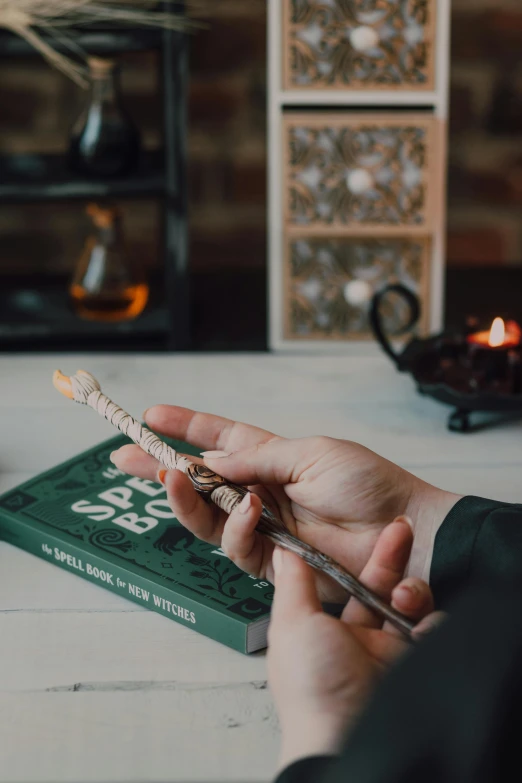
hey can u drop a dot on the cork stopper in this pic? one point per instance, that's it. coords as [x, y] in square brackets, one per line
[100, 67]
[102, 217]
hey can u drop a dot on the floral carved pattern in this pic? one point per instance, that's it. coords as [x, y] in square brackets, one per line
[364, 174]
[359, 43]
[330, 283]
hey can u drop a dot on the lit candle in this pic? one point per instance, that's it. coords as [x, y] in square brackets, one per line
[499, 336]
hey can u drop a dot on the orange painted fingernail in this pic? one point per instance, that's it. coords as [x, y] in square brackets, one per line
[161, 476]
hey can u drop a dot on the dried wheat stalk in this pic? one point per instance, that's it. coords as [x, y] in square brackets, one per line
[41, 21]
[85, 389]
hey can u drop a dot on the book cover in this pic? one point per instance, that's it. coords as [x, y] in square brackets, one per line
[119, 532]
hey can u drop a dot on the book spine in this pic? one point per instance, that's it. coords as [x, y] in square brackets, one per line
[102, 572]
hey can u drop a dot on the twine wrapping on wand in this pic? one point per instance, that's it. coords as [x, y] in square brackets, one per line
[85, 389]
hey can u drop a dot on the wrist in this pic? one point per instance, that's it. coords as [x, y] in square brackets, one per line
[321, 736]
[427, 507]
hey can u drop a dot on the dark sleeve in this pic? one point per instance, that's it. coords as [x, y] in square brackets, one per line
[308, 770]
[449, 712]
[479, 539]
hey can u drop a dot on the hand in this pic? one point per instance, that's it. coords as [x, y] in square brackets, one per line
[323, 670]
[333, 494]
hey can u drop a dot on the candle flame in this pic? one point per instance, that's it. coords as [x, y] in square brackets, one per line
[497, 333]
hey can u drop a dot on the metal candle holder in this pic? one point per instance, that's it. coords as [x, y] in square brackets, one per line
[452, 370]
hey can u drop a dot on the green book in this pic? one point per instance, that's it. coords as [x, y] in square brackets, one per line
[119, 532]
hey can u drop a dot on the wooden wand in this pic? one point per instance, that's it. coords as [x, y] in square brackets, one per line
[85, 389]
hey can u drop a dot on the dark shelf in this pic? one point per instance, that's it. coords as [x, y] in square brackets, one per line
[25, 178]
[228, 309]
[95, 41]
[35, 312]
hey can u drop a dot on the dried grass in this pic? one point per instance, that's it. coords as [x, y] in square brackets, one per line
[40, 22]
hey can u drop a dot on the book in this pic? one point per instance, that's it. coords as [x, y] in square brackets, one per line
[119, 532]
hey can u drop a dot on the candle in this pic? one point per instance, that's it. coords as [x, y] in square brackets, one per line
[500, 335]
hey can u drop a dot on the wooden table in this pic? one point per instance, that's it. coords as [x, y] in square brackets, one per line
[94, 688]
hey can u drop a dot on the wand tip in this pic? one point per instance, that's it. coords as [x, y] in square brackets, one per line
[62, 383]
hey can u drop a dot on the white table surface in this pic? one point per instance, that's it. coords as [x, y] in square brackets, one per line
[95, 688]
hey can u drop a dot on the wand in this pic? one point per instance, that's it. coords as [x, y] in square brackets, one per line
[85, 389]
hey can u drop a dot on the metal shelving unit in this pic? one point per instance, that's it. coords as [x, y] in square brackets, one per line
[26, 179]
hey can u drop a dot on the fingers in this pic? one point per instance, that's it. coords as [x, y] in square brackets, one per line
[383, 571]
[428, 624]
[240, 542]
[295, 594]
[203, 519]
[385, 647]
[248, 549]
[131, 459]
[381, 646]
[274, 461]
[413, 598]
[204, 430]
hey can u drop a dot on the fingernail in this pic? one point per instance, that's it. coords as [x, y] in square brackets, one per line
[277, 560]
[214, 454]
[428, 624]
[245, 504]
[161, 476]
[408, 591]
[144, 414]
[404, 518]
[112, 455]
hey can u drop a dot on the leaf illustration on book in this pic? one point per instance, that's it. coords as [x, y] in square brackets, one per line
[60, 474]
[234, 578]
[197, 560]
[174, 539]
[211, 570]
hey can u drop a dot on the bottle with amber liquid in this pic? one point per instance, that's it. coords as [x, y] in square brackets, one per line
[107, 285]
[104, 142]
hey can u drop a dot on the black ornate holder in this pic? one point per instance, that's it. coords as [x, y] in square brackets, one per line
[450, 369]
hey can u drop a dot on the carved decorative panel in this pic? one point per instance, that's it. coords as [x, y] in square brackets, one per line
[348, 171]
[329, 283]
[359, 44]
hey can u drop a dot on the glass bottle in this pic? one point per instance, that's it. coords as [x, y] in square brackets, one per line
[104, 142]
[107, 284]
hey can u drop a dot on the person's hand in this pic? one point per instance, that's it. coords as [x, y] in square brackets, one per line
[334, 494]
[323, 670]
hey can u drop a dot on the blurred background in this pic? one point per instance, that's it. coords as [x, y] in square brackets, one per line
[43, 238]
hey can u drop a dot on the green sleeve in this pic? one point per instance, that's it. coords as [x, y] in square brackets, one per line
[308, 770]
[478, 540]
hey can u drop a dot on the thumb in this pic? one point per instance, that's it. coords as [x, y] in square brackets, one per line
[295, 594]
[278, 461]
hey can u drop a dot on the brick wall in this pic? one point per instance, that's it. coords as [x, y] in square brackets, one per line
[227, 144]
[485, 173]
[227, 141]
